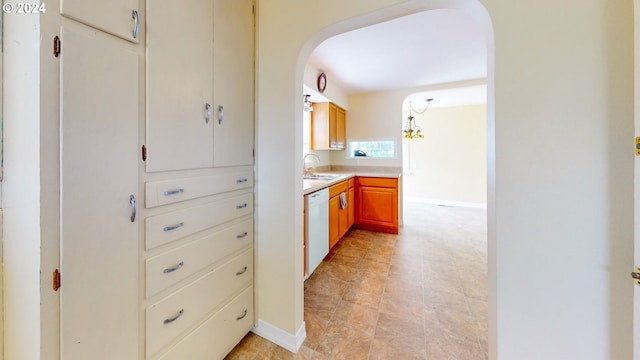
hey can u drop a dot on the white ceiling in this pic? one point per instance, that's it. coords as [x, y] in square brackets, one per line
[427, 48]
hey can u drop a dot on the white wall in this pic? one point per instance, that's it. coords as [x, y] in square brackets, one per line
[21, 187]
[448, 165]
[560, 185]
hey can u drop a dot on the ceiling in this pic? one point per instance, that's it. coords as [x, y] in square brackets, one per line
[427, 48]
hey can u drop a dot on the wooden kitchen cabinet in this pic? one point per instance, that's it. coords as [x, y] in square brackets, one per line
[328, 127]
[334, 221]
[377, 204]
[338, 216]
[351, 198]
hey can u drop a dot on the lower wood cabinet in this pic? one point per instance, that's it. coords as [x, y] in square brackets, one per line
[338, 212]
[377, 204]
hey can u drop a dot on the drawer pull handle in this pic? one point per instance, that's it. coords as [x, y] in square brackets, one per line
[243, 235]
[241, 206]
[172, 319]
[174, 268]
[244, 314]
[173, 227]
[134, 208]
[173, 192]
[240, 181]
[207, 108]
[244, 270]
[220, 114]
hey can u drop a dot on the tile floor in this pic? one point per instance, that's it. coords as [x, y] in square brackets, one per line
[421, 294]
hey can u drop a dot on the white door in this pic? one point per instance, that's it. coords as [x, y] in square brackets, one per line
[99, 173]
[117, 17]
[179, 85]
[233, 64]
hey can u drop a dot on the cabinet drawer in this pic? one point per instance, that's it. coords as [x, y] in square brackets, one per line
[338, 188]
[172, 315]
[352, 183]
[168, 268]
[161, 229]
[378, 182]
[171, 191]
[219, 334]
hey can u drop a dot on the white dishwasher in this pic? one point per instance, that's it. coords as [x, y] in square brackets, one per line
[317, 228]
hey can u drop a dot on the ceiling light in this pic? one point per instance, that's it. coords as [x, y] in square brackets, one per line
[411, 129]
[308, 105]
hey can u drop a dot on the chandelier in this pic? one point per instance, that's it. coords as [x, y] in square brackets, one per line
[411, 129]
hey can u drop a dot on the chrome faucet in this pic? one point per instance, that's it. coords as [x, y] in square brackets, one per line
[307, 171]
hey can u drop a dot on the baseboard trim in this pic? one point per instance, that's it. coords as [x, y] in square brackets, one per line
[280, 337]
[446, 202]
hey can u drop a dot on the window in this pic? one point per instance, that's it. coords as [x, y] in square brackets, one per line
[377, 149]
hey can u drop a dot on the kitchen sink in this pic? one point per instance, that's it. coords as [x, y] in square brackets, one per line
[320, 177]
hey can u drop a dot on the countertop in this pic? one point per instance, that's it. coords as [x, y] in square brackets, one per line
[312, 185]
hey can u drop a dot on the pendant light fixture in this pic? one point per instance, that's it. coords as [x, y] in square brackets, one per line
[308, 105]
[411, 129]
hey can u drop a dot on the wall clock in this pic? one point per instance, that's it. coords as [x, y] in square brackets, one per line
[322, 82]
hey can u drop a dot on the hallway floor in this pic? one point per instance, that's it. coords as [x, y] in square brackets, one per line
[421, 294]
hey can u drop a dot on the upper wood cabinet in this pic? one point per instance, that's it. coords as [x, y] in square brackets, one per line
[328, 124]
[233, 84]
[200, 84]
[117, 17]
[179, 85]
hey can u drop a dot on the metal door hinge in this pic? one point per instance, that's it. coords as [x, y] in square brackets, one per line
[144, 153]
[57, 46]
[636, 275]
[638, 146]
[56, 280]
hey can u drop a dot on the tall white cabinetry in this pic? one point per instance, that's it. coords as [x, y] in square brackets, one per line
[200, 97]
[198, 179]
[99, 118]
[156, 178]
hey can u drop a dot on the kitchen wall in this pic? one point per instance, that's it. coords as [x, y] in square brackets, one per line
[560, 191]
[448, 165]
[333, 93]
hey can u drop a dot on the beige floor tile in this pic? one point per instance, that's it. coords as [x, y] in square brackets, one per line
[421, 294]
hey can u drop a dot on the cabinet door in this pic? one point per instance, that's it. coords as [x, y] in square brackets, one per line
[333, 126]
[378, 208]
[351, 209]
[233, 69]
[179, 85]
[343, 223]
[113, 16]
[341, 136]
[334, 221]
[99, 171]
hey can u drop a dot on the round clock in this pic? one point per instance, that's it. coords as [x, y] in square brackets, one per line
[322, 82]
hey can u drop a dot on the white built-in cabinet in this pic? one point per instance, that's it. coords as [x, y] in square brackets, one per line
[99, 254]
[179, 85]
[200, 82]
[156, 240]
[117, 17]
[233, 64]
